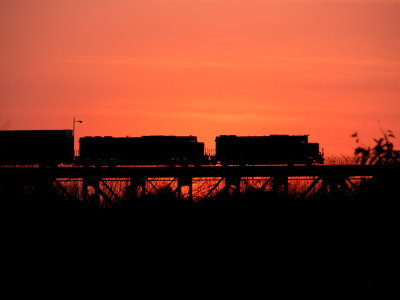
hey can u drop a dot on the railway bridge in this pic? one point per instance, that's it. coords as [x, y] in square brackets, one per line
[95, 183]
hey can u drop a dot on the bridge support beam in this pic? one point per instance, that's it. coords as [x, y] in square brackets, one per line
[185, 181]
[116, 197]
[334, 185]
[94, 199]
[213, 188]
[280, 185]
[232, 181]
[85, 190]
[266, 182]
[136, 183]
[64, 190]
[312, 185]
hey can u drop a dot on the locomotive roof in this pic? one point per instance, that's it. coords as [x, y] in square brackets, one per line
[263, 136]
[147, 136]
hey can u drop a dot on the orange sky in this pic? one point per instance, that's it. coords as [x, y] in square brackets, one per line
[203, 67]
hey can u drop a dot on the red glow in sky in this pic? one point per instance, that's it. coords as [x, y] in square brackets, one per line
[203, 67]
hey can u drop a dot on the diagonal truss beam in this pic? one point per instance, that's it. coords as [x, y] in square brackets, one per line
[105, 197]
[213, 188]
[351, 184]
[313, 184]
[169, 184]
[63, 189]
[153, 185]
[266, 182]
[111, 190]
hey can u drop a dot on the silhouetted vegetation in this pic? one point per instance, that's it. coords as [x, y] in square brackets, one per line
[383, 188]
[382, 153]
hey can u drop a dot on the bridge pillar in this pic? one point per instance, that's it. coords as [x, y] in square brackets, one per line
[135, 183]
[280, 185]
[232, 181]
[84, 190]
[334, 185]
[94, 199]
[143, 184]
[131, 189]
[185, 181]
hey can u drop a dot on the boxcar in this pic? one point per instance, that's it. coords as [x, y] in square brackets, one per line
[41, 147]
[145, 150]
[266, 150]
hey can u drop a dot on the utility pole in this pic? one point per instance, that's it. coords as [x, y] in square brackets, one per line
[73, 130]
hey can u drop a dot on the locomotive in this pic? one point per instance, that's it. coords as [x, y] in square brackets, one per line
[54, 147]
[145, 150]
[267, 150]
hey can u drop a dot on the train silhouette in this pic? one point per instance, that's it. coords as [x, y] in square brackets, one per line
[55, 147]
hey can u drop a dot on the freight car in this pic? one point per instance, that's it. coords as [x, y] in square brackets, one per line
[145, 150]
[266, 150]
[36, 147]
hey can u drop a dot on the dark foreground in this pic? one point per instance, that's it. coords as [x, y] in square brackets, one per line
[242, 247]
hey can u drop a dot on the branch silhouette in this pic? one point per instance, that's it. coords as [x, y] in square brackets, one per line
[382, 153]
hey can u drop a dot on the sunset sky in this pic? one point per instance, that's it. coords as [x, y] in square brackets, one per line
[326, 68]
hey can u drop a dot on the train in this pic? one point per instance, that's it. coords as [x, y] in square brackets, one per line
[36, 147]
[145, 150]
[56, 147]
[266, 150]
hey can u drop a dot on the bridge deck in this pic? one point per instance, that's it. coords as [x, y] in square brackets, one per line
[204, 171]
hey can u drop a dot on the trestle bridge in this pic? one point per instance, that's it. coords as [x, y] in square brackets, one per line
[94, 182]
